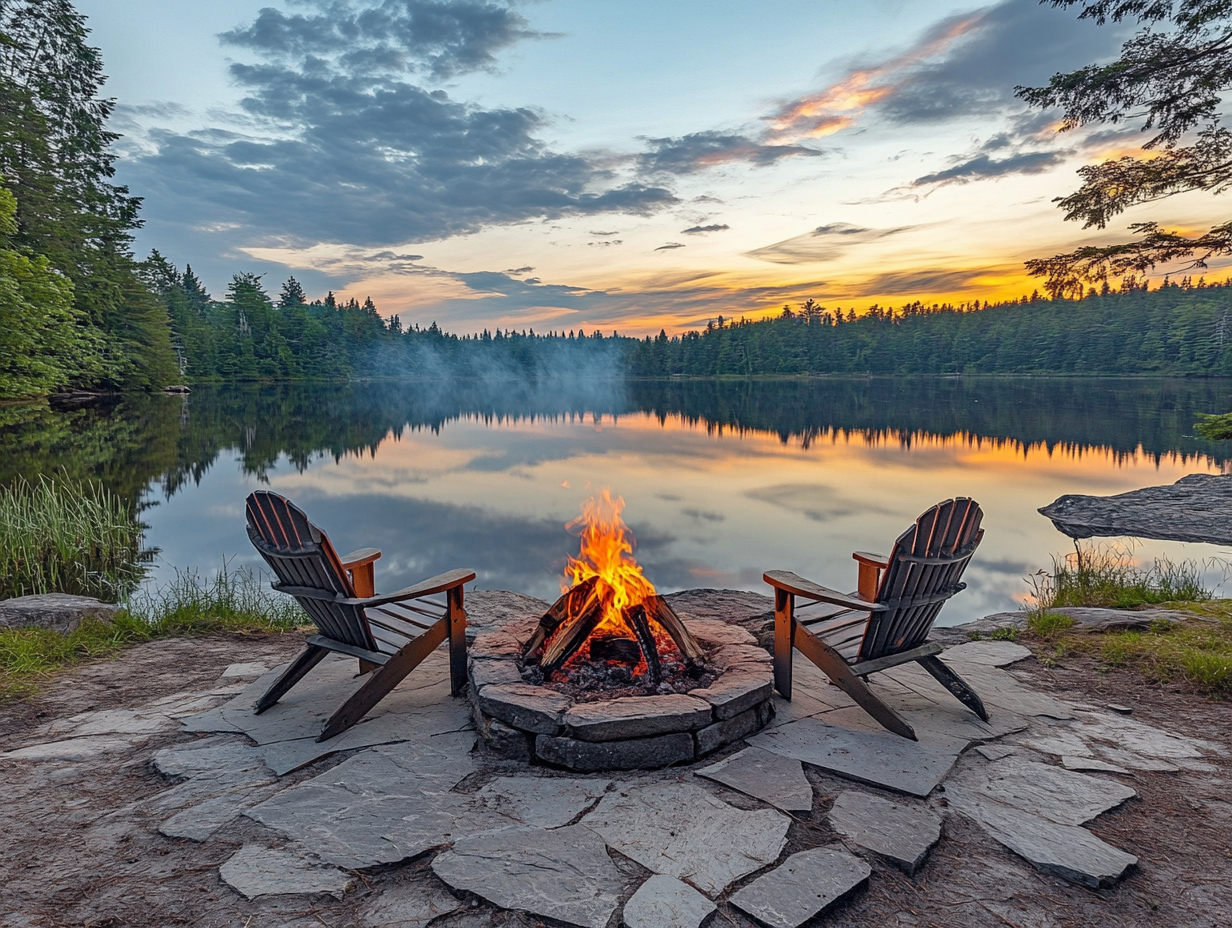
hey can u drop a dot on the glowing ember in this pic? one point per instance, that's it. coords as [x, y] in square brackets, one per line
[607, 553]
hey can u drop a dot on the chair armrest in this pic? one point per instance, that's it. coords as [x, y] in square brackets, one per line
[791, 583]
[360, 557]
[872, 560]
[437, 584]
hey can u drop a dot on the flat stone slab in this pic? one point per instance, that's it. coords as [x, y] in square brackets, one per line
[531, 708]
[1129, 734]
[629, 754]
[879, 758]
[991, 653]
[407, 906]
[1067, 851]
[738, 690]
[1062, 796]
[501, 610]
[902, 834]
[1091, 765]
[198, 822]
[763, 775]
[713, 633]
[727, 606]
[248, 671]
[545, 802]
[75, 749]
[260, 871]
[801, 886]
[636, 717]
[57, 612]
[425, 724]
[208, 756]
[681, 830]
[565, 873]
[380, 806]
[1195, 508]
[665, 902]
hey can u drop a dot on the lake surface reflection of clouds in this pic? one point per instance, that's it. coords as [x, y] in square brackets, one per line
[709, 507]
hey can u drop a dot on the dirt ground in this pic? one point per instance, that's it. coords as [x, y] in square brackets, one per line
[81, 845]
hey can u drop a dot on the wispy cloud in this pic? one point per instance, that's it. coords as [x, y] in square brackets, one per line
[698, 151]
[669, 246]
[703, 230]
[964, 66]
[825, 243]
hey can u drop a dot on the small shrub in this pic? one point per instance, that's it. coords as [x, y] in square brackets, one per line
[1214, 426]
[1009, 633]
[1049, 624]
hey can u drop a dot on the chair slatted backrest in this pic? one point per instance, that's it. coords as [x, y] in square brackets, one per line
[924, 571]
[301, 555]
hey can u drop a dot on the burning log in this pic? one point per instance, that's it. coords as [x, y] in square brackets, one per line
[657, 608]
[635, 617]
[572, 633]
[572, 603]
[615, 648]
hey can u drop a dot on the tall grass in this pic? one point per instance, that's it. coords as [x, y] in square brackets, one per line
[1108, 576]
[66, 536]
[228, 601]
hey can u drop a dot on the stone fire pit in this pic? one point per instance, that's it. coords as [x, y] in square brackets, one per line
[522, 720]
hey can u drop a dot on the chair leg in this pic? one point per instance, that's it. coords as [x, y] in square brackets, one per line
[382, 680]
[946, 676]
[457, 641]
[784, 627]
[312, 656]
[833, 665]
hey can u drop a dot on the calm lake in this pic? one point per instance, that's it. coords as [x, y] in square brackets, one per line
[722, 480]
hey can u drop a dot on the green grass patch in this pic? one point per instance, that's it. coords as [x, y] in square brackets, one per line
[1198, 651]
[229, 601]
[1049, 625]
[66, 536]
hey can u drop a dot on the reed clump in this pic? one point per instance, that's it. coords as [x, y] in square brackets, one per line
[1108, 576]
[66, 536]
[231, 600]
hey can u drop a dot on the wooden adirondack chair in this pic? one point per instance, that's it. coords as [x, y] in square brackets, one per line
[391, 635]
[886, 622]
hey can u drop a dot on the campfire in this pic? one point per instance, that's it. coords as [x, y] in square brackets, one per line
[610, 630]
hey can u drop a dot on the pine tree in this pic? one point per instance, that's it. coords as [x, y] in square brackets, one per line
[292, 294]
[55, 153]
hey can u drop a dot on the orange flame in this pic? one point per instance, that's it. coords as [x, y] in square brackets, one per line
[607, 552]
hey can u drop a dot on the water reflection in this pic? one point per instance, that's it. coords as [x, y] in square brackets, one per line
[723, 479]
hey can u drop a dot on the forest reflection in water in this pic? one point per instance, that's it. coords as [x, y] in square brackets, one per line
[723, 479]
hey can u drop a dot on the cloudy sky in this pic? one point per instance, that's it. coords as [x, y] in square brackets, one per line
[588, 163]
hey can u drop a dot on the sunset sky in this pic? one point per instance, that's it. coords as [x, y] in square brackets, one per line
[622, 165]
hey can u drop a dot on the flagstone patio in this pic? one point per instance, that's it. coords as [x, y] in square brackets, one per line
[777, 829]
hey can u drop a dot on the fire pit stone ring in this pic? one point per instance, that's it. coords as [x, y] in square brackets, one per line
[528, 721]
